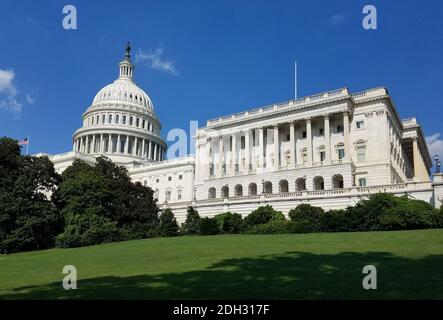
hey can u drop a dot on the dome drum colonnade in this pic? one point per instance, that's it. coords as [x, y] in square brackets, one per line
[121, 121]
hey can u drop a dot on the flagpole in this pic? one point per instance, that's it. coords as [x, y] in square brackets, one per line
[295, 79]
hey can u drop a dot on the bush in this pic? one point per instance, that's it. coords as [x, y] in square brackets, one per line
[274, 227]
[387, 212]
[229, 223]
[192, 223]
[306, 218]
[208, 226]
[334, 221]
[87, 229]
[263, 215]
[168, 224]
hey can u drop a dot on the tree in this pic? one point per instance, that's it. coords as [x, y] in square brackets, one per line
[263, 215]
[192, 223]
[168, 224]
[306, 218]
[208, 226]
[28, 218]
[229, 222]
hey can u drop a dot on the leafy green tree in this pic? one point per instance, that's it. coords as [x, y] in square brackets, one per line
[28, 218]
[208, 226]
[192, 222]
[168, 224]
[306, 217]
[229, 222]
[263, 215]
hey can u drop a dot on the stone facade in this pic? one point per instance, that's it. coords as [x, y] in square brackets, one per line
[330, 149]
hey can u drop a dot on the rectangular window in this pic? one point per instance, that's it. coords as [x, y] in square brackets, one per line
[339, 129]
[179, 194]
[341, 154]
[169, 178]
[322, 156]
[321, 132]
[304, 135]
[361, 153]
[180, 177]
[288, 137]
[304, 156]
[360, 124]
[168, 195]
[362, 182]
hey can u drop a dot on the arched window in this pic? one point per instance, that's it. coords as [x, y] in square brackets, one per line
[110, 118]
[337, 181]
[283, 186]
[117, 118]
[225, 192]
[300, 184]
[211, 193]
[252, 189]
[103, 119]
[124, 119]
[267, 187]
[238, 190]
[319, 183]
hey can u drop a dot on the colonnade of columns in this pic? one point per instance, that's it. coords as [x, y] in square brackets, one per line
[241, 161]
[119, 144]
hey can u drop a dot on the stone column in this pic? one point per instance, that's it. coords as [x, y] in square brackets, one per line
[119, 146]
[327, 140]
[134, 150]
[346, 135]
[292, 148]
[276, 149]
[126, 144]
[261, 161]
[233, 154]
[93, 143]
[111, 144]
[309, 140]
[143, 148]
[247, 151]
[209, 159]
[149, 149]
[220, 157]
[155, 152]
[87, 144]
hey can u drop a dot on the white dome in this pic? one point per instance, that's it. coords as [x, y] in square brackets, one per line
[124, 90]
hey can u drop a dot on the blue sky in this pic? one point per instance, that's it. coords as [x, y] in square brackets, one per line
[210, 58]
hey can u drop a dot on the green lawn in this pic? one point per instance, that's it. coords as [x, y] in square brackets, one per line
[312, 266]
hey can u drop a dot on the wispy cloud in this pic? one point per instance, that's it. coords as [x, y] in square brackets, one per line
[337, 18]
[154, 60]
[9, 94]
[435, 144]
[29, 99]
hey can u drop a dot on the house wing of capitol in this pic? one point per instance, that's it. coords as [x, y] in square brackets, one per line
[330, 150]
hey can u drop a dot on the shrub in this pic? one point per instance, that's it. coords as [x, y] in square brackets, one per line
[306, 218]
[229, 222]
[87, 229]
[208, 226]
[274, 227]
[263, 215]
[168, 224]
[334, 221]
[192, 223]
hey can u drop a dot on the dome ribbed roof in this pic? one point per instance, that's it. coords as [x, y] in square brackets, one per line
[124, 90]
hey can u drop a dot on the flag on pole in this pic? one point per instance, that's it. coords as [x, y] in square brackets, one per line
[24, 141]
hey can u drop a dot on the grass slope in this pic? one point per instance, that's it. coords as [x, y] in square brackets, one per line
[313, 266]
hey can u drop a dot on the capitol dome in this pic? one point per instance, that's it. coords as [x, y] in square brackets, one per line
[121, 123]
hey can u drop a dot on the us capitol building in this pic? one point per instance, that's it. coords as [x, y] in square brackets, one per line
[330, 150]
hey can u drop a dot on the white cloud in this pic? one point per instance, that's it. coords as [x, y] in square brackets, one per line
[29, 99]
[153, 59]
[435, 145]
[8, 92]
[337, 18]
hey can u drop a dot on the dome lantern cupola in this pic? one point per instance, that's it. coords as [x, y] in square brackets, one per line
[126, 66]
